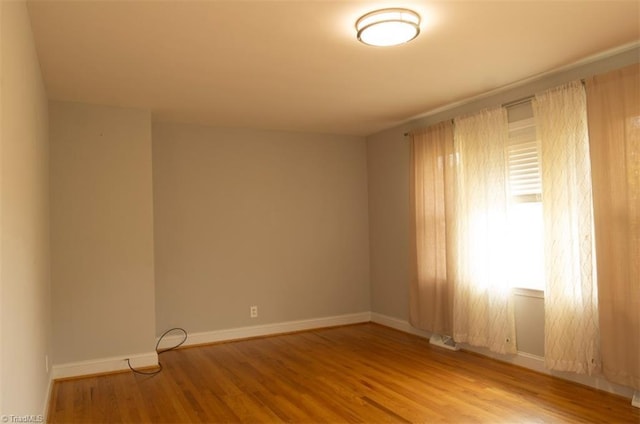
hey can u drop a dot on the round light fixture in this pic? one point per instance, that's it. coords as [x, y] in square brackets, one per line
[388, 27]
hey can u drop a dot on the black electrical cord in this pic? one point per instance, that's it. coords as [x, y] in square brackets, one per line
[159, 351]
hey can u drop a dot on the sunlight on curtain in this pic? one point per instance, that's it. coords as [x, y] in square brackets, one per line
[431, 293]
[483, 305]
[571, 307]
[614, 131]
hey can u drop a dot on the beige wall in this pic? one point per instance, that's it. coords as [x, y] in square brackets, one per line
[24, 219]
[101, 232]
[277, 220]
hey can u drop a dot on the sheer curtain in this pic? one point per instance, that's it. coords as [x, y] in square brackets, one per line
[614, 131]
[432, 201]
[571, 307]
[483, 306]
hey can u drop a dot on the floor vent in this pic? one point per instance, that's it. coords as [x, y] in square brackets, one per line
[443, 341]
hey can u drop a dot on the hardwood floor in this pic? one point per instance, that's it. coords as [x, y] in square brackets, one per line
[361, 373]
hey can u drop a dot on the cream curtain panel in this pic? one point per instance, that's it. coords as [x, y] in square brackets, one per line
[483, 305]
[571, 304]
[590, 173]
[614, 132]
[431, 293]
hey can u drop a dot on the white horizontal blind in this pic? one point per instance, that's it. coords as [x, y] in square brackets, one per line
[525, 182]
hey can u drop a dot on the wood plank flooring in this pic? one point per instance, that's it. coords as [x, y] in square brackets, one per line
[362, 373]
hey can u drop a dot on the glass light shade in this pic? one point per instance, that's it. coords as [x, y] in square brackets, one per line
[388, 27]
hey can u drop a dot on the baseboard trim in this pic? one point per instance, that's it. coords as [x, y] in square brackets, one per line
[47, 398]
[398, 324]
[240, 333]
[521, 359]
[104, 365]
[150, 359]
[536, 363]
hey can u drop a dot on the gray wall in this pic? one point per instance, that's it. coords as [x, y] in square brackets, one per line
[277, 220]
[101, 232]
[388, 158]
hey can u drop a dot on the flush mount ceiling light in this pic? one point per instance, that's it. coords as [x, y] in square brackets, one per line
[388, 27]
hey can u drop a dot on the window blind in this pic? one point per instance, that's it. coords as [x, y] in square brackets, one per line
[525, 182]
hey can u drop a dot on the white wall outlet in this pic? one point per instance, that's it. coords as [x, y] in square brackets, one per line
[46, 363]
[253, 312]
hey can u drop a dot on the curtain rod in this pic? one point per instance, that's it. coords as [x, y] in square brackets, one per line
[516, 102]
[453, 121]
[529, 98]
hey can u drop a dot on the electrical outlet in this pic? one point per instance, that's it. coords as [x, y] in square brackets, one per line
[46, 363]
[253, 312]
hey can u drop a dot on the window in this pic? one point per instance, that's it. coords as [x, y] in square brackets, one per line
[526, 228]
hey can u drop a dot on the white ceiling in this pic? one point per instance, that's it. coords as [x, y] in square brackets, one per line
[297, 66]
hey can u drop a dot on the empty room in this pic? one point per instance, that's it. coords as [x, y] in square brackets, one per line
[319, 211]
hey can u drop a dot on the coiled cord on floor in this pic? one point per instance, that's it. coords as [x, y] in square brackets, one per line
[159, 351]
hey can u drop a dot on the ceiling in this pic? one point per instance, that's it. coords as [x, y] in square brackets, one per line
[297, 66]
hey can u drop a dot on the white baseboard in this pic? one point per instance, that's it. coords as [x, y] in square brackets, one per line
[104, 365]
[536, 363]
[47, 397]
[264, 330]
[398, 324]
[150, 359]
[522, 359]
